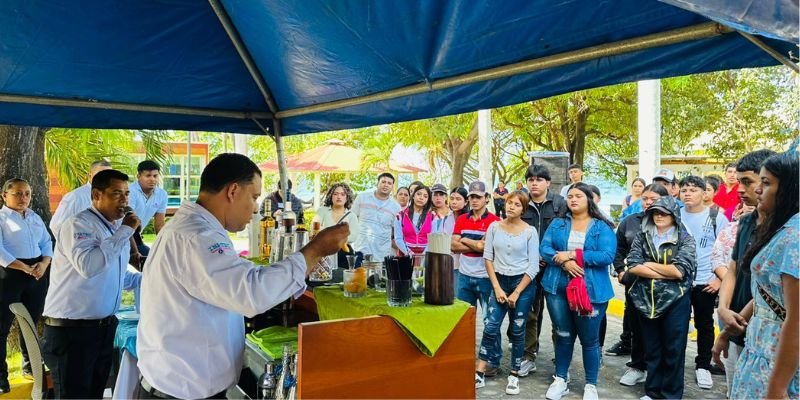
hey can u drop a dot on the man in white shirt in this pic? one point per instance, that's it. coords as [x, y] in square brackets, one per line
[148, 200]
[376, 211]
[78, 199]
[87, 276]
[703, 224]
[190, 338]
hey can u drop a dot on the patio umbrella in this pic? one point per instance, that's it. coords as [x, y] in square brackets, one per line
[334, 156]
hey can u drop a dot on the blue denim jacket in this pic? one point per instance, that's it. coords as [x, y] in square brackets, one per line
[598, 253]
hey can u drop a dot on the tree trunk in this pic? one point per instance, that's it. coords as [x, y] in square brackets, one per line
[460, 155]
[22, 156]
[580, 135]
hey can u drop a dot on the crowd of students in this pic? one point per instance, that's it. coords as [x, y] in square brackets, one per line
[681, 246]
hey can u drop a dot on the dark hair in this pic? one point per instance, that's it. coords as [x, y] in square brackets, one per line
[463, 193]
[13, 181]
[102, 180]
[575, 166]
[730, 165]
[100, 163]
[753, 160]
[538, 171]
[148, 165]
[594, 211]
[656, 188]
[786, 168]
[522, 197]
[225, 169]
[403, 188]
[288, 181]
[347, 192]
[713, 181]
[595, 190]
[640, 180]
[386, 175]
[693, 180]
[409, 211]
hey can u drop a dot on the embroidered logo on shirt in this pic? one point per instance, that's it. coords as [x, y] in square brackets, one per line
[220, 248]
[82, 235]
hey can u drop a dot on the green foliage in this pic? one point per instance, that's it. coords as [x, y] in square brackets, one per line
[70, 152]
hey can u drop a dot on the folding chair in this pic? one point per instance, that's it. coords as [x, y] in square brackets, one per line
[28, 329]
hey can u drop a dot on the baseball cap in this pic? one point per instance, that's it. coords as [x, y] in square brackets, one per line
[439, 188]
[478, 188]
[664, 174]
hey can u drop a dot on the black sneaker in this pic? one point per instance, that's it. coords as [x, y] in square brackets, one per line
[619, 349]
[715, 370]
[4, 386]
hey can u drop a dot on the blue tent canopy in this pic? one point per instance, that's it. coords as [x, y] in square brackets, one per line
[321, 65]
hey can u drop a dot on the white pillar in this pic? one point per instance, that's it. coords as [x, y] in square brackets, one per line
[649, 118]
[240, 143]
[485, 151]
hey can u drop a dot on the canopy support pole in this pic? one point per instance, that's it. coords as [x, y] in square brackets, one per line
[117, 106]
[233, 34]
[281, 154]
[317, 191]
[691, 33]
[769, 50]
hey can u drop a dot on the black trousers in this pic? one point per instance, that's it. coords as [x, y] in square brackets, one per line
[534, 324]
[17, 287]
[632, 334]
[141, 393]
[79, 359]
[500, 208]
[703, 310]
[665, 340]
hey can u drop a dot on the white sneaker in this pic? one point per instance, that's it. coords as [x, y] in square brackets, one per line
[645, 397]
[557, 389]
[704, 380]
[633, 376]
[479, 381]
[589, 392]
[526, 367]
[513, 385]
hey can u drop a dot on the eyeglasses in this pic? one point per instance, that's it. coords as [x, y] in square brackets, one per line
[660, 213]
[19, 194]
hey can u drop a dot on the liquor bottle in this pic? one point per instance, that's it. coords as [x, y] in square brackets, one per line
[293, 389]
[266, 384]
[267, 230]
[280, 394]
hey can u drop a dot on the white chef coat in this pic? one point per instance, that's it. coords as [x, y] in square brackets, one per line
[22, 237]
[147, 207]
[190, 339]
[71, 204]
[89, 268]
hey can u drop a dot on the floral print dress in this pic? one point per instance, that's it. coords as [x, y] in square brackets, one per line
[780, 256]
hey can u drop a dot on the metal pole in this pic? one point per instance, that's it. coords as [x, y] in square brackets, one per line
[649, 121]
[485, 151]
[188, 166]
[233, 34]
[769, 50]
[109, 105]
[691, 33]
[281, 154]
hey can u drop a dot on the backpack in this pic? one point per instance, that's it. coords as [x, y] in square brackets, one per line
[712, 214]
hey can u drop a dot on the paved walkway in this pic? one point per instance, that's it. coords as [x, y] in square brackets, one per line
[534, 386]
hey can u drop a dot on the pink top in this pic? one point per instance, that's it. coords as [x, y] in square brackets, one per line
[416, 241]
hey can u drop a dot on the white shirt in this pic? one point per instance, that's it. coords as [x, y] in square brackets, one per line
[196, 288]
[22, 237]
[147, 207]
[72, 203]
[375, 218]
[89, 268]
[512, 254]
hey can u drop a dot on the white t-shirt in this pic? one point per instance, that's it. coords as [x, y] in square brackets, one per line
[375, 220]
[702, 230]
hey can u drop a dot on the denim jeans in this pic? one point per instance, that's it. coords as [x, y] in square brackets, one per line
[518, 317]
[474, 290]
[568, 324]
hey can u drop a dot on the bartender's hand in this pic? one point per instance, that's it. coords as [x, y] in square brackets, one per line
[131, 220]
[328, 241]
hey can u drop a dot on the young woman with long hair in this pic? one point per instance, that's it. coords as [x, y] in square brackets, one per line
[768, 366]
[412, 225]
[584, 233]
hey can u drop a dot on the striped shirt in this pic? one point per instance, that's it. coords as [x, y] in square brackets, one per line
[467, 226]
